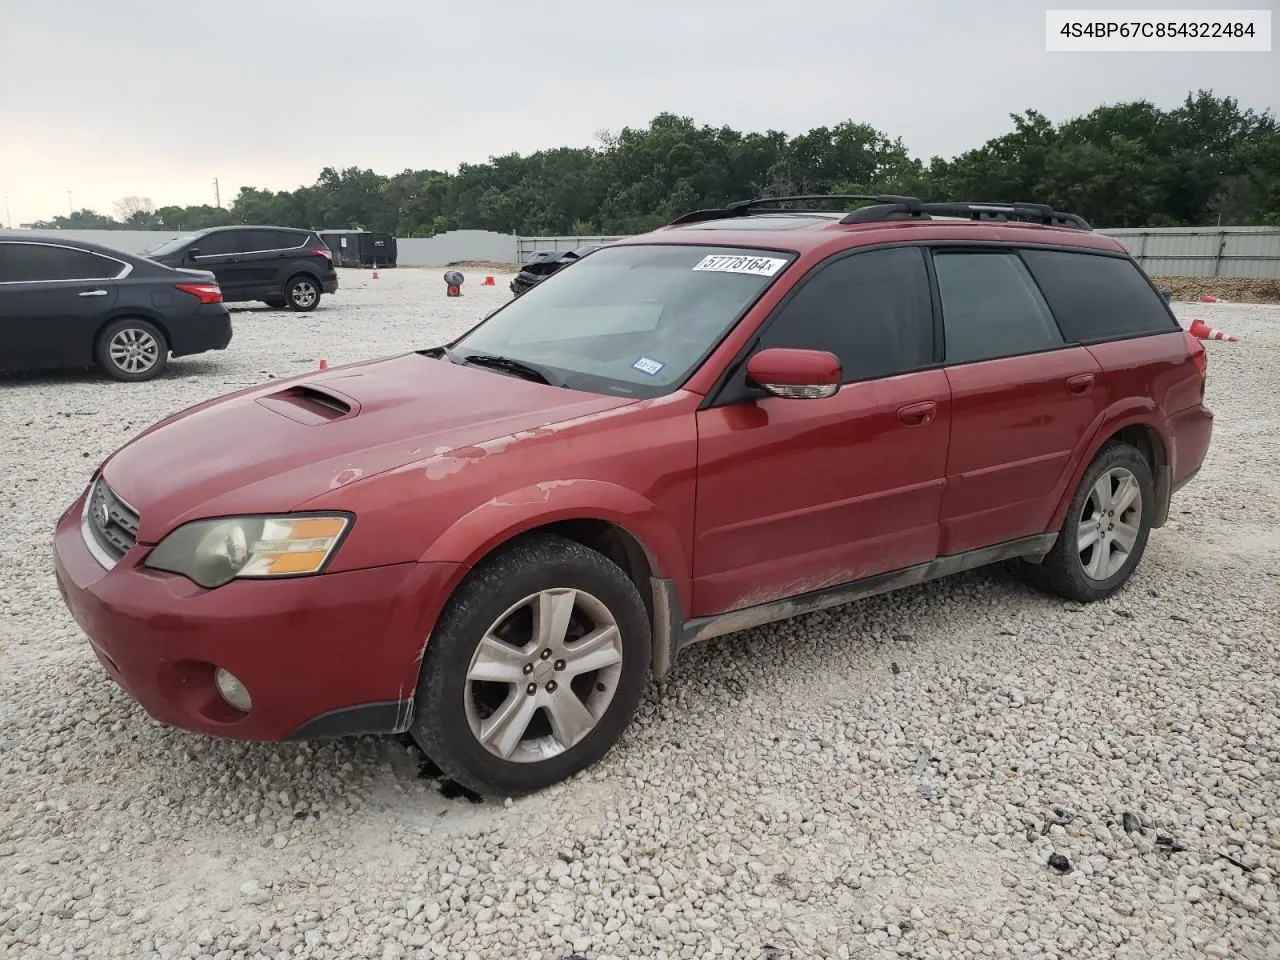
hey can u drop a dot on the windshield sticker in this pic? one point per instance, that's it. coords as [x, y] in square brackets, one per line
[646, 365]
[756, 266]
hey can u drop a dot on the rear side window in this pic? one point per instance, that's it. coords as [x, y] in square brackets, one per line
[27, 262]
[1097, 298]
[991, 307]
[256, 240]
[872, 310]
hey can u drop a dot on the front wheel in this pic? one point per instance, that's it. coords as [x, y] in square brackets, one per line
[302, 293]
[535, 668]
[1105, 531]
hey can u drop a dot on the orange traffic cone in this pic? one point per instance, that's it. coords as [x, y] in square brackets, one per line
[324, 364]
[1210, 298]
[375, 270]
[488, 281]
[1202, 331]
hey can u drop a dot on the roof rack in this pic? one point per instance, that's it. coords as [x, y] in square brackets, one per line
[909, 208]
[743, 207]
[889, 207]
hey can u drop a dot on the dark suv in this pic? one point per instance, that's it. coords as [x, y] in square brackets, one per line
[280, 266]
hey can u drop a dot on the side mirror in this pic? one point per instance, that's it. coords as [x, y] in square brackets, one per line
[795, 374]
[193, 253]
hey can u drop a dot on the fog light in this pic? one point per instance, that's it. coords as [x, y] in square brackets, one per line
[232, 690]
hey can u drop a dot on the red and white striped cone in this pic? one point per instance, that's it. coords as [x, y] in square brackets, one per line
[1210, 298]
[1202, 331]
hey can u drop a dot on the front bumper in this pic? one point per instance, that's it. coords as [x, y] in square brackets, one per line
[320, 656]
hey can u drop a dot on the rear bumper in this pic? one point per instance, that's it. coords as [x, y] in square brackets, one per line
[320, 656]
[1192, 430]
[208, 329]
[329, 285]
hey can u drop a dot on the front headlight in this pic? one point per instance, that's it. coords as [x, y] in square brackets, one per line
[214, 552]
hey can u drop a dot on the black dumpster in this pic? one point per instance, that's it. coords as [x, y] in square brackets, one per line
[360, 248]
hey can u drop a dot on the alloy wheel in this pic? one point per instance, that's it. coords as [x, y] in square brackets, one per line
[133, 350]
[543, 675]
[304, 293]
[1110, 522]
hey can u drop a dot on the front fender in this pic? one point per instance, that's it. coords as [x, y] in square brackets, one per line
[1131, 411]
[476, 534]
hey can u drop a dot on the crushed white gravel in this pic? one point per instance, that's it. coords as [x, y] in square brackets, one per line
[889, 779]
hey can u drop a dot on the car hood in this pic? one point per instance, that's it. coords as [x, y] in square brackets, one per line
[273, 447]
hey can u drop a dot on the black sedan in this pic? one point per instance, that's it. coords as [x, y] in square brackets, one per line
[67, 303]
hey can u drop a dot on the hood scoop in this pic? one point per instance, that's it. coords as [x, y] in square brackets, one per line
[309, 405]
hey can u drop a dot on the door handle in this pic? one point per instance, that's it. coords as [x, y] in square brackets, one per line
[94, 293]
[918, 414]
[1082, 383]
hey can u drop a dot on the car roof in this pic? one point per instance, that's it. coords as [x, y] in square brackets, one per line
[250, 226]
[803, 232]
[74, 243]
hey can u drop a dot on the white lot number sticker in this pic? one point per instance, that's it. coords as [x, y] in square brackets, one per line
[756, 266]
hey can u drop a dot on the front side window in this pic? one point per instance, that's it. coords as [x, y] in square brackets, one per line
[991, 307]
[29, 262]
[872, 310]
[628, 320]
[216, 244]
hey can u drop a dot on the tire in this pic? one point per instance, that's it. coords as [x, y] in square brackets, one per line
[275, 303]
[548, 738]
[131, 349]
[1086, 574]
[302, 293]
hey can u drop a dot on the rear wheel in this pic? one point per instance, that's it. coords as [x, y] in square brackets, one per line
[302, 293]
[535, 668]
[132, 349]
[1105, 531]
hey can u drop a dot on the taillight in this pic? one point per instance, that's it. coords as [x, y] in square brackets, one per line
[323, 252]
[205, 292]
[1199, 356]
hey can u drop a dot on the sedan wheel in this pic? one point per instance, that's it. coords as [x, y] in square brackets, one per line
[534, 668]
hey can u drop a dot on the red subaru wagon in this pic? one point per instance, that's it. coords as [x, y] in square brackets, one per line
[751, 413]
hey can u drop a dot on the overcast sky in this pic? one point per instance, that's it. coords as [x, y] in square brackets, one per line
[156, 98]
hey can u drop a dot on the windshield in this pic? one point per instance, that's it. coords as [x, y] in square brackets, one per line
[628, 320]
[169, 246]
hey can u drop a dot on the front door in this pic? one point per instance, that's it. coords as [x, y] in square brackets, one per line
[1022, 399]
[219, 253]
[797, 495]
[51, 300]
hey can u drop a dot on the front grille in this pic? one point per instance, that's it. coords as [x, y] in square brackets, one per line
[111, 522]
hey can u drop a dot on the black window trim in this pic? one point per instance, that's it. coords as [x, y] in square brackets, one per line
[726, 393]
[127, 268]
[963, 246]
[234, 253]
[1174, 325]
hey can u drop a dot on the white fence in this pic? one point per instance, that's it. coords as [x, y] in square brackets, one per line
[1168, 251]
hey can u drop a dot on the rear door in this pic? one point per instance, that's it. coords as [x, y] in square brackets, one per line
[1022, 399]
[52, 300]
[266, 256]
[797, 495]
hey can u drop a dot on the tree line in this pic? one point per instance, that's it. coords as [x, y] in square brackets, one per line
[1123, 165]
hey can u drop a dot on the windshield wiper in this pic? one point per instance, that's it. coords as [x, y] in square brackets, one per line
[518, 367]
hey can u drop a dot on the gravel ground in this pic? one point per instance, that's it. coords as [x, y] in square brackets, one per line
[890, 779]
